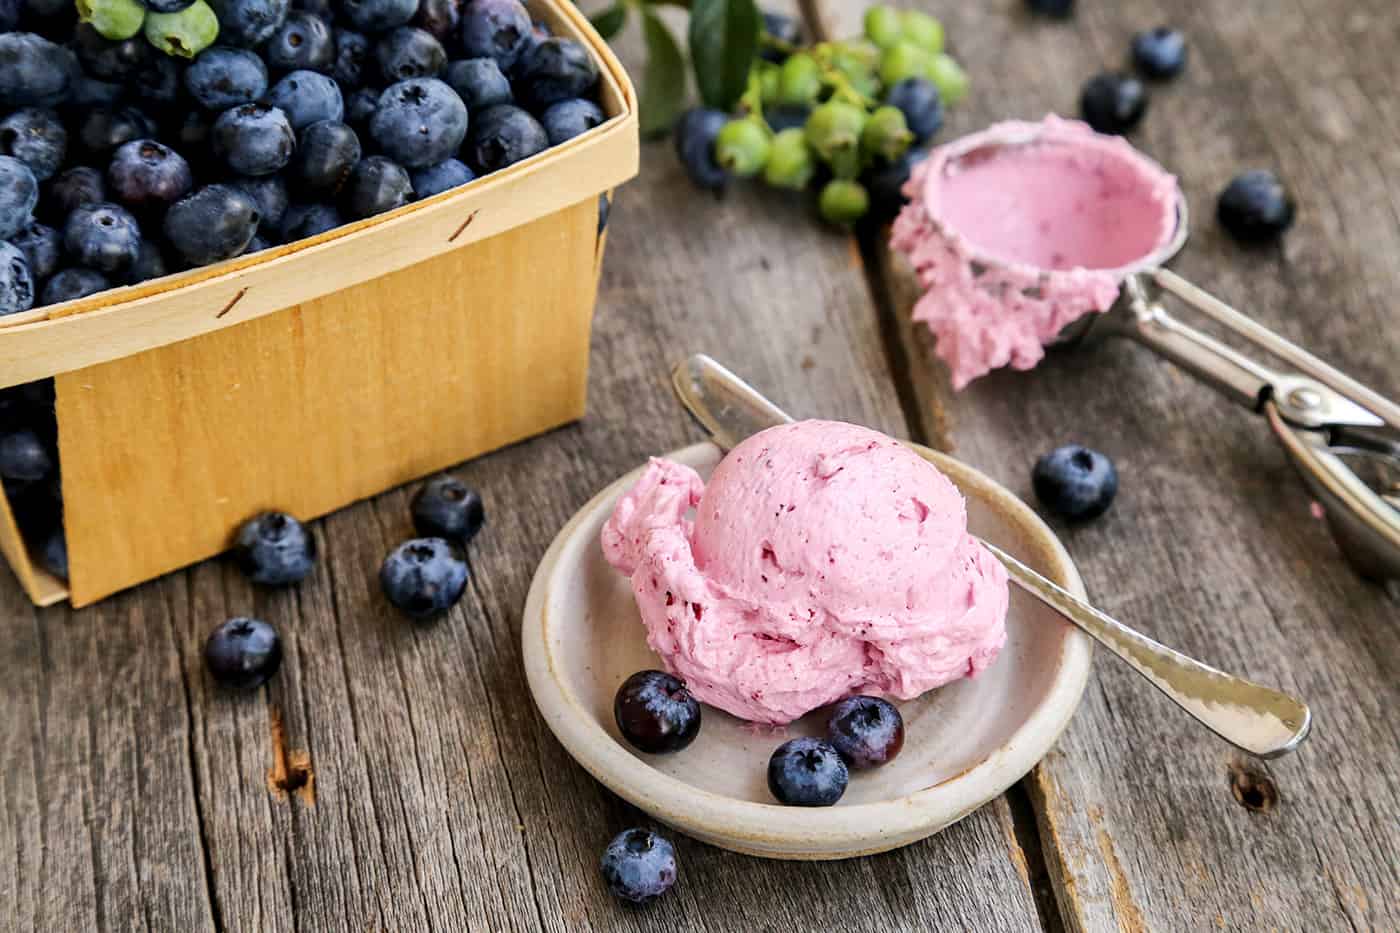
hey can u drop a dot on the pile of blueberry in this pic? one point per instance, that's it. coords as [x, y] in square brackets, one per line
[29, 471]
[849, 119]
[119, 163]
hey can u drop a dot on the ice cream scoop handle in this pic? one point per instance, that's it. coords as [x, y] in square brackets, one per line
[1257, 719]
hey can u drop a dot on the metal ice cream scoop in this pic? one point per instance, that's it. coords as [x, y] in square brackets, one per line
[1257, 719]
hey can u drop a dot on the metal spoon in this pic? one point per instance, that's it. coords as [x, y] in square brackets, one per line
[1254, 718]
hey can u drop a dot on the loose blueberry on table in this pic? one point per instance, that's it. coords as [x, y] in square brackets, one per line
[1075, 483]
[866, 731]
[446, 507]
[807, 773]
[275, 549]
[1113, 103]
[1255, 207]
[243, 653]
[1159, 53]
[656, 713]
[639, 866]
[424, 577]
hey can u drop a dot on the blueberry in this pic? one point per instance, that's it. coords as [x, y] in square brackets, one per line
[191, 138]
[604, 209]
[274, 549]
[785, 29]
[786, 116]
[19, 194]
[149, 264]
[498, 29]
[695, 134]
[37, 138]
[167, 6]
[885, 182]
[24, 457]
[376, 185]
[213, 224]
[184, 34]
[253, 139]
[1255, 207]
[321, 8]
[442, 18]
[113, 19]
[104, 237]
[1061, 9]
[10, 11]
[157, 84]
[326, 154]
[146, 174]
[554, 70]
[248, 23]
[445, 507]
[918, 99]
[867, 731]
[72, 284]
[70, 190]
[1113, 103]
[375, 16]
[435, 179]
[224, 77]
[304, 40]
[656, 713]
[423, 577]
[308, 220]
[256, 245]
[107, 60]
[639, 866]
[352, 51]
[307, 97]
[16, 281]
[479, 82]
[569, 118]
[42, 248]
[101, 131]
[89, 93]
[419, 122]
[243, 653]
[409, 52]
[501, 136]
[360, 108]
[53, 553]
[269, 194]
[1159, 53]
[807, 773]
[1075, 483]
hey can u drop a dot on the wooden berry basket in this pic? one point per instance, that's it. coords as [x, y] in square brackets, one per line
[318, 373]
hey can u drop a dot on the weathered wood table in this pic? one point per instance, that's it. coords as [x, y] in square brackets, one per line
[393, 777]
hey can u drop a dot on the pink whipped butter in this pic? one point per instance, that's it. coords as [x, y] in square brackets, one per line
[1019, 230]
[823, 560]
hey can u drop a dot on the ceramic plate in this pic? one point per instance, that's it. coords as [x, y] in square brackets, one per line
[964, 743]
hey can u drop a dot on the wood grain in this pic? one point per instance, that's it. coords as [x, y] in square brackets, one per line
[1146, 822]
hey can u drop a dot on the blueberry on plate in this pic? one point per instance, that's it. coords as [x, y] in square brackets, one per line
[807, 773]
[435, 179]
[376, 16]
[326, 154]
[34, 72]
[1061, 9]
[409, 52]
[19, 195]
[1159, 53]
[639, 866]
[1255, 207]
[553, 70]
[497, 29]
[445, 507]
[304, 40]
[16, 281]
[1113, 103]
[376, 185]
[918, 99]
[37, 138]
[211, 225]
[269, 194]
[479, 82]
[352, 52]
[101, 130]
[1075, 483]
[656, 713]
[695, 135]
[243, 653]
[501, 136]
[419, 122]
[423, 577]
[224, 77]
[72, 284]
[274, 549]
[104, 237]
[569, 118]
[249, 23]
[145, 174]
[867, 731]
[253, 139]
[70, 190]
[24, 457]
[307, 97]
[308, 220]
[42, 247]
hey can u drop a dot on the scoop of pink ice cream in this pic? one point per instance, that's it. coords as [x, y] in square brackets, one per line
[824, 560]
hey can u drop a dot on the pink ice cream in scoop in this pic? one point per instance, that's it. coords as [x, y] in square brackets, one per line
[824, 560]
[1019, 230]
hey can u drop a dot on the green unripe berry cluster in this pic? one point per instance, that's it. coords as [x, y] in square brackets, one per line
[185, 34]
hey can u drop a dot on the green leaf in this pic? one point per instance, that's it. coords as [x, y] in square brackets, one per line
[663, 80]
[609, 22]
[723, 45]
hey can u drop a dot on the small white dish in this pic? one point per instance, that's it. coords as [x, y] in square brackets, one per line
[964, 744]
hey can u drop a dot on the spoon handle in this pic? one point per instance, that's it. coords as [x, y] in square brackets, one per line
[1257, 719]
